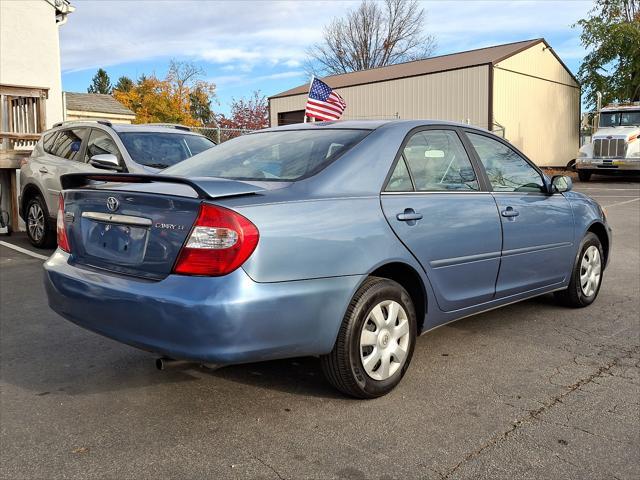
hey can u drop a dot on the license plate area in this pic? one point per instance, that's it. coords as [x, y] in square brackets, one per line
[112, 242]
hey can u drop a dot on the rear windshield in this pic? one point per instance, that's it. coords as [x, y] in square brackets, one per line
[284, 155]
[162, 150]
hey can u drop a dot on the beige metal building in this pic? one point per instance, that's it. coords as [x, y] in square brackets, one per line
[520, 90]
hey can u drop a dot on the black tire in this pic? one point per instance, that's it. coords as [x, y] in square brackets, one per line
[343, 367]
[574, 296]
[47, 238]
[584, 176]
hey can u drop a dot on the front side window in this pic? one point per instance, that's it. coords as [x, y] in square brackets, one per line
[162, 150]
[284, 155]
[101, 143]
[507, 170]
[439, 162]
[67, 144]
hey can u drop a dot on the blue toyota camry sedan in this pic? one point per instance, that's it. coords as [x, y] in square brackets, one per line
[341, 240]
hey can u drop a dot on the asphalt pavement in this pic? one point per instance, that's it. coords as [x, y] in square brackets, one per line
[533, 390]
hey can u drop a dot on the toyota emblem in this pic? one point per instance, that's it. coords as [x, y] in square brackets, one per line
[113, 204]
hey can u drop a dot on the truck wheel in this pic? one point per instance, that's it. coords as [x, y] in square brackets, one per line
[375, 342]
[39, 226]
[584, 176]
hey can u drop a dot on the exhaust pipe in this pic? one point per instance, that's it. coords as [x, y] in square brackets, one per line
[164, 363]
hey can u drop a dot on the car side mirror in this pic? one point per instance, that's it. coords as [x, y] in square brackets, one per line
[106, 161]
[561, 183]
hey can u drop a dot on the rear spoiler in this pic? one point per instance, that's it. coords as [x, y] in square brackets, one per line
[205, 187]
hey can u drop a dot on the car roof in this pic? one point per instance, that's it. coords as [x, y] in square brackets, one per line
[369, 125]
[125, 127]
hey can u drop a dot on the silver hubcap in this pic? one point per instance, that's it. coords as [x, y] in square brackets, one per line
[384, 340]
[590, 270]
[35, 222]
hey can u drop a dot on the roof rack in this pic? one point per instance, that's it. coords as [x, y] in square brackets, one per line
[177, 126]
[106, 123]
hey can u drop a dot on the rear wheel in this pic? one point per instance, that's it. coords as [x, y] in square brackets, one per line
[586, 276]
[375, 342]
[584, 176]
[39, 225]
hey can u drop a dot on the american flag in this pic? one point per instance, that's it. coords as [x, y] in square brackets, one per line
[323, 103]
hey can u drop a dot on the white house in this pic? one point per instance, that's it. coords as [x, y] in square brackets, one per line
[30, 83]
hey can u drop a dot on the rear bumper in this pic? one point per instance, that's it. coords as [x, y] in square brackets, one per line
[229, 319]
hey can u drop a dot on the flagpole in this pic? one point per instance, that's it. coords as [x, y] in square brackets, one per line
[308, 92]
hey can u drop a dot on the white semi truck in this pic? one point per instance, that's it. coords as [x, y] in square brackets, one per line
[615, 146]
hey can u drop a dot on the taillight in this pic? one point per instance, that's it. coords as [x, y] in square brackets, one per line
[220, 241]
[63, 240]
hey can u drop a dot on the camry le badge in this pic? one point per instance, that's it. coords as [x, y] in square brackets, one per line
[113, 204]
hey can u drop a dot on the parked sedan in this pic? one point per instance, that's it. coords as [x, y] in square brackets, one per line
[88, 146]
[342, 240]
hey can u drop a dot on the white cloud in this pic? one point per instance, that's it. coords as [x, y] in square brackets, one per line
[115, 32]
[238, 36]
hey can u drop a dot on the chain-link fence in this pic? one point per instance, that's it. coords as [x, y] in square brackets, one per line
[220, 135]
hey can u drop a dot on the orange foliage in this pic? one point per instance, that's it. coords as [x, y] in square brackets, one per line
[167, 101]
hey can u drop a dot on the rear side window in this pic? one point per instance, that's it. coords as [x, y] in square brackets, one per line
[280, 155]
[48, 141]
[68, 142]
[197, 144]
[101, 143]
[400, 181]
[438, 162]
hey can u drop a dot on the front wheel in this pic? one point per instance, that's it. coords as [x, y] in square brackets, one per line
[375, 342]
[586, 276]
[584, 175]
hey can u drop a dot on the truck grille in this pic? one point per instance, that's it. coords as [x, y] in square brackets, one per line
[609, 148]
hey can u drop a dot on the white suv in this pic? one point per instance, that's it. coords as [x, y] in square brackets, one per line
[87, 146]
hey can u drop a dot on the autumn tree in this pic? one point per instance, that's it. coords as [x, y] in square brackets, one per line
[247, 113]
[611, 33]
[169, 100]
[373, 35]
[100, 83]
[124, 84]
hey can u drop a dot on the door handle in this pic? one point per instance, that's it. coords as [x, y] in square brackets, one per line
[409, 215]
[43, 170]
[510, 212]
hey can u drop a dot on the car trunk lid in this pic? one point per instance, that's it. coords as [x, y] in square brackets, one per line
[136, 224]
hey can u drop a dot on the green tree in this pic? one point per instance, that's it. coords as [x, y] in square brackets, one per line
[100, 83]
[201, 106]
[611, 33]
[124, 84]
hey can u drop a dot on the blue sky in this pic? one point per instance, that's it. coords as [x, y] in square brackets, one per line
[260, 45]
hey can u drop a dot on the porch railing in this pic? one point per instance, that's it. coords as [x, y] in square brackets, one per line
[23, 116]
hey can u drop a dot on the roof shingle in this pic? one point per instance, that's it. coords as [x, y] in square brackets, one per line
[95, 102]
